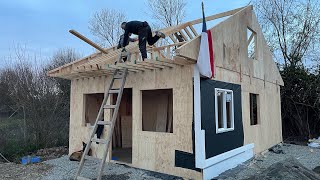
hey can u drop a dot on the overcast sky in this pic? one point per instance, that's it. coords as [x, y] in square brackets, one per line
[41, 26]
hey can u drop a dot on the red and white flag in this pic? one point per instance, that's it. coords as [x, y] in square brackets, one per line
[205, 58]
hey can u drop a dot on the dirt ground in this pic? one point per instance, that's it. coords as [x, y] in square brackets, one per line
[63, 169]
[23, 172]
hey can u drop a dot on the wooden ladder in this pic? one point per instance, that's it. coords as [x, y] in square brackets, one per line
[120, 75]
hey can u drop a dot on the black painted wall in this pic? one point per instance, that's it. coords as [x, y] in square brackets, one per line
[219, 143]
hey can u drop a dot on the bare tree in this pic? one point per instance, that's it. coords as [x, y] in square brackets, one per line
[105, 25]
[167, 12]
[59, 58]
[291, 27]
[41, 102]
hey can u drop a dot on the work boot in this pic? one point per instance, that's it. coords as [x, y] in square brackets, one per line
[160, 34]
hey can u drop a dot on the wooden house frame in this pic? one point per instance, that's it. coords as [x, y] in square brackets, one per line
[175, 121]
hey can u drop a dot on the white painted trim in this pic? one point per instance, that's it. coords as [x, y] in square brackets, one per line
[224, 115]
[200, 153]
[227, 155]
[223, 162]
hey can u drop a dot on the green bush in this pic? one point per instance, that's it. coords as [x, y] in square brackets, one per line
[300, 102]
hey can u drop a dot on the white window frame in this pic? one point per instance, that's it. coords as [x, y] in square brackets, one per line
[224, 111]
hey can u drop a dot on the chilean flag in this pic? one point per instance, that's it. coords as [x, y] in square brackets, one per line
[205, 58]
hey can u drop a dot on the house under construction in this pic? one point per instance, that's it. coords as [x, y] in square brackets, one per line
[171, 120]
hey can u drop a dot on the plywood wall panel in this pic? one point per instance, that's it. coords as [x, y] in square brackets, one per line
[126, 126]
[150, 150]
[268, 131]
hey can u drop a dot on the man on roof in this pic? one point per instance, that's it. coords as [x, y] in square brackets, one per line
[120, 43]
[143, 30]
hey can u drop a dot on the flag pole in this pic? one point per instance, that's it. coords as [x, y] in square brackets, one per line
[202, 4]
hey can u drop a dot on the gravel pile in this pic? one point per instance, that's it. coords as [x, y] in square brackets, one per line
[308, 157]
[63, 169]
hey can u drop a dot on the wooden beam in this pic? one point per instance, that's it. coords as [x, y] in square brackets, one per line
[120, 68]
[164, 64]
[173, 29]
[188, 33]
[171, 62]
[164, 47]
[111, 57]
[83, 38]
[250, 39]
[180, 38]
[168, 55]
[173, 39]
[103, 58]
[101, 70]
[130, 67]
[193, 30]
[140, 66]
[183, 35]
[217, 16]
[150, 64]
[81, 61]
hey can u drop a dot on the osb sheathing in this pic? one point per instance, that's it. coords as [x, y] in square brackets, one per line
[150, 150]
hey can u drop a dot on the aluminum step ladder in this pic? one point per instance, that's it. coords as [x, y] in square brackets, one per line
[117, 75]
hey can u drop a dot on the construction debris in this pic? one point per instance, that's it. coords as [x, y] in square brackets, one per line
[76, 156]
[276, 149]
[314, 143]
[4, 158]
[51, 153]
[29, 160]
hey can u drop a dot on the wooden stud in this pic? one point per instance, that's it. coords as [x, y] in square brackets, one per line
[140, 66]
[168, 53]
[193, 30]
[188, 33]
[173, 39]
[183, 35]
[250, 39]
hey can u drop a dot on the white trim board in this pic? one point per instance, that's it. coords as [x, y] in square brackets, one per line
[200, 153]
[227, 155]
[228, 160]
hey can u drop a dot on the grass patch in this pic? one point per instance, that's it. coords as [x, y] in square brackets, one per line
[13, 144]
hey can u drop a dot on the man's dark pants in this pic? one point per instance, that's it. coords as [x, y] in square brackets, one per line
[145, 35]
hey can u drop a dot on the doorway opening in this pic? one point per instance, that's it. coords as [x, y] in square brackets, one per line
[122, 134]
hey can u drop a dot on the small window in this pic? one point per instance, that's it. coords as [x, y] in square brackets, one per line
[254, 106]
[224, 110]
[252, 43]
[157, 110]
[92, 104]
